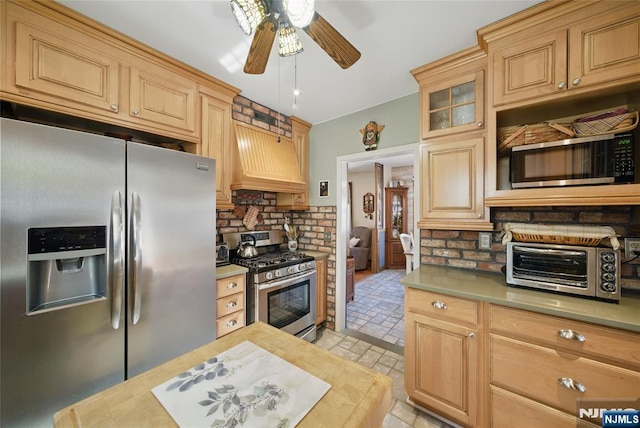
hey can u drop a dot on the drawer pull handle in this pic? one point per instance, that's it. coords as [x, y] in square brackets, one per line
[232, 323]
[231, 305]
[438, 304]
[232, 285]
[571, 335]
[569, 383]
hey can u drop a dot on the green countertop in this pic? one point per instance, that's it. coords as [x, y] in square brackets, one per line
[230, 270]
[492, 287]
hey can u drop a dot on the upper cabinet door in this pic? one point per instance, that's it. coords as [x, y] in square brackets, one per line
[216, 144]
[162, 99]
[532, 68]
[605, 48]
[64, 67]
[452, 106]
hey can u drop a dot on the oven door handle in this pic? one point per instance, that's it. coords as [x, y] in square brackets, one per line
[286, 281]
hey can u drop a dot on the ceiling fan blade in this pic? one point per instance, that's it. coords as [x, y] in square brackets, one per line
[261, 44]
[328, 38]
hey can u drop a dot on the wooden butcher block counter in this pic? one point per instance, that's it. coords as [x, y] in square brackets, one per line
[359, 397]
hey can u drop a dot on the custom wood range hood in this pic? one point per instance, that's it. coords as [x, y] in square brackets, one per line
[264, 163]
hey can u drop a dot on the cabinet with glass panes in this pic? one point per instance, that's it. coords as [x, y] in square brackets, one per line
[452, 94]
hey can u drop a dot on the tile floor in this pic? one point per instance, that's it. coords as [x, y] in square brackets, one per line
[380, 358]
[375, 338]
[378, 307]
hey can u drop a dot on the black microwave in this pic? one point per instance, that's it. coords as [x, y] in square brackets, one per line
[601, 159]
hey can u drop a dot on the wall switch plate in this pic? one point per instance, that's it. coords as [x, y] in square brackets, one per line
[631, 245]
[485, 240]
[327, 236]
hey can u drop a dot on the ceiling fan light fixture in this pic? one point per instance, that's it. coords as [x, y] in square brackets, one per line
[288, 41]
[248, 13]
[300, 12]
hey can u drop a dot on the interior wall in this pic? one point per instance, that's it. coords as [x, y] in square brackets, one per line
[362, 183]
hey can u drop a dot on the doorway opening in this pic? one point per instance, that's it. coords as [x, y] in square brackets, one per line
[410, 156]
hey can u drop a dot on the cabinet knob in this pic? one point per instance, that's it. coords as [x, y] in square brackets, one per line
[479, 124]
[135, 112]
[438, 304]
[479, 215]
[576, 81]
[571, 335]
[569, 383]
[114, 107]
[232, 323]
[231, 305]
[472, 335]
[561, 85]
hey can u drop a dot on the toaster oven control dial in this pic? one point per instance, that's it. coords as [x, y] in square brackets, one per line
[608, 277]
[608, 257]
[608, 267]
[608, 287]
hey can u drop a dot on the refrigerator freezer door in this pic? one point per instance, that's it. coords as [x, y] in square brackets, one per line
[54, 178]
[171, 254]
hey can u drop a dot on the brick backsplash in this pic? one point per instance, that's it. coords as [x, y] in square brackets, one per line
[247, 111]
[461, 248]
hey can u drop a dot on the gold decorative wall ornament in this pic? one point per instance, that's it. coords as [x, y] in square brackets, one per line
[371, 135]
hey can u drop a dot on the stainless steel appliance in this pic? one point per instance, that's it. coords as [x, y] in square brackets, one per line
[584, 271]
[597, 159]
[222, 254]
[106, 266]
[281, 284]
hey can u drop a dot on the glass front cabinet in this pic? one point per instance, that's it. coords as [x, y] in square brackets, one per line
[396, 223]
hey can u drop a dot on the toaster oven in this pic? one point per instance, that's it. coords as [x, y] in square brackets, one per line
[584, 271]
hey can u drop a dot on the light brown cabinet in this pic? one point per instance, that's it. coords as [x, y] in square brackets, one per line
[216, 142]
[300, 137]
[555, 62]
[57, 60]
[395, 218]
[160, 99]
[321, 290]
[351, 268]
[541, 361]
[452, 94]
[599, 50]
[49, 62]
[442, 355]
[230, 307]
[453, 185]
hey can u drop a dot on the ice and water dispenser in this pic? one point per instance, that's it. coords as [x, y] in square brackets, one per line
[67, 267]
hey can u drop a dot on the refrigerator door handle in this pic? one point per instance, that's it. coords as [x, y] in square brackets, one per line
[135, 264]
[115, 259]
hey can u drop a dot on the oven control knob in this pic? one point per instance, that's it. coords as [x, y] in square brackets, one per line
[608, 277]
[609, 287]
[268, 275]
[302, 266]
[608, 257]
[309, 265]
[608, 267]
[278, 273]
[291, 269]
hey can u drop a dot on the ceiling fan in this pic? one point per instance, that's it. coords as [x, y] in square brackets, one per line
[268, 17]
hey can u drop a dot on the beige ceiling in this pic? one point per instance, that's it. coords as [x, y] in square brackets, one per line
[393, 37]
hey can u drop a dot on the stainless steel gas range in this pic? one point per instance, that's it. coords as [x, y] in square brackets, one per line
[281, 284]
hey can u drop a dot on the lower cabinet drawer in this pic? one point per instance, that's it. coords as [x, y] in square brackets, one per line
[229, 323]
[229, 304]
[441, 306]
[510, 410]
[556, 378]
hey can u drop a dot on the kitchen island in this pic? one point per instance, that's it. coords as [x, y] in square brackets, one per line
[359, 397]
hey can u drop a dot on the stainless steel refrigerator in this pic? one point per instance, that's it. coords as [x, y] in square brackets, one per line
[107, 264]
